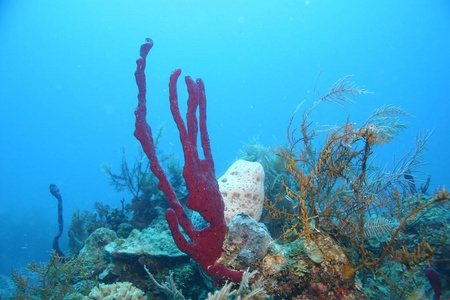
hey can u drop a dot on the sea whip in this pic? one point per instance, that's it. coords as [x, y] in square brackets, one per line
[55, 192]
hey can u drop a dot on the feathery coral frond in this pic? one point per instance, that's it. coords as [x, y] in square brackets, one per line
[341, 91]
[385, 121]
[378, 227]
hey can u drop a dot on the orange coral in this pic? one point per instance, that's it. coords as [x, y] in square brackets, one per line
[331, 192]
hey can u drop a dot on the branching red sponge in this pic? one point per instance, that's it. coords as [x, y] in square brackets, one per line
[205, 246]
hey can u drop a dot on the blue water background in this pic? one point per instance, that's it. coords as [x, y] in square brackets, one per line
[67, 89]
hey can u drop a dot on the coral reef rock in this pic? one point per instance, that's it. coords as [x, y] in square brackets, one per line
[118, 291]
[296, 270]
[94, 247]
[152, 241]
[242, 189]
[250, 236]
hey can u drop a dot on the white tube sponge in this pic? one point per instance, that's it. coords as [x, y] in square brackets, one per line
[242, 189]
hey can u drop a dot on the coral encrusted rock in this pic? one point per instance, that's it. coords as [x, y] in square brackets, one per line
[250, 236]
[94, 247]
[152, 241]
[242, 189]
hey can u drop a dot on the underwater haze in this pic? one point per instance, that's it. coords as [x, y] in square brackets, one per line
[68, 92]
